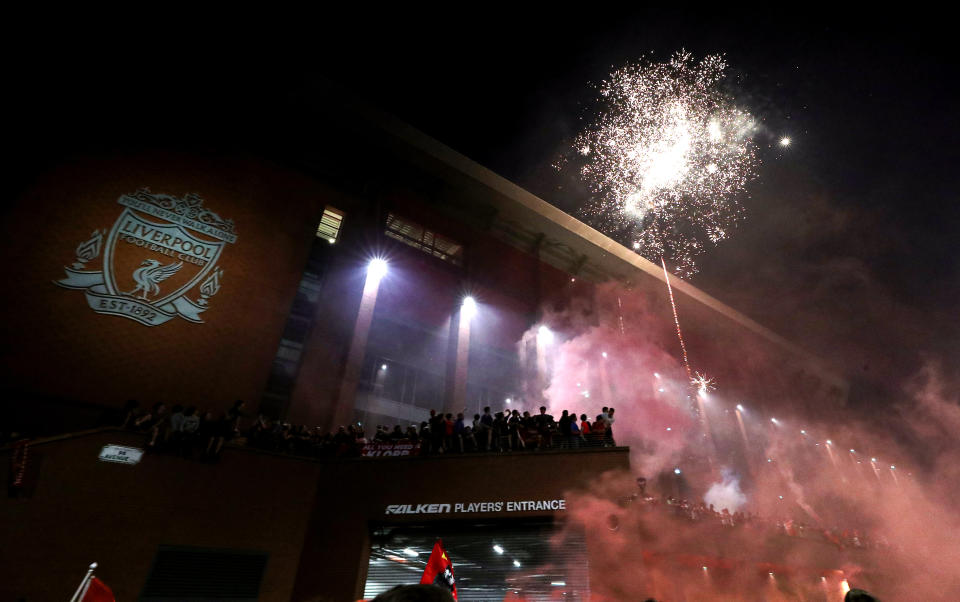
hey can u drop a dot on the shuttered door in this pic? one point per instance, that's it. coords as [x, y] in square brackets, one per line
[185, 574]
[491, 561]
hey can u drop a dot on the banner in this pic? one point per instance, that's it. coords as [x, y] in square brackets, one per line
[394, 448]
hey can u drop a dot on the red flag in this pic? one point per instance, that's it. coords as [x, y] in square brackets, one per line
[439, 570]
[97, 591]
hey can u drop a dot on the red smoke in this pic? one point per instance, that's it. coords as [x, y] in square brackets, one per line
[905, 517]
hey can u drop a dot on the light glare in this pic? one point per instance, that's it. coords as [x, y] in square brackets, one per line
[544, 335]
[377, 268]
[469, 307]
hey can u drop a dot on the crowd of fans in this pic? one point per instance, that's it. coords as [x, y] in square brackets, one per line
[184, 431]
[445, 434]
[701, 512]
[201, 434]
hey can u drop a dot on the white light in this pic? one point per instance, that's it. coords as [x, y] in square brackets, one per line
[636, 245]
[676, 471]
[383, 366]
[411, 552]
[780, 496]
[558, 583]
[774, 420]
[873, 459]
[331, 240]
[544, 335]
[661, 389]
[803, 432]
[508, 400]
[586, 393]
[657, 374]
[497, 549]
[516, 563]
[771, 574]
[892, 467]
[853, 451]
[704, 568]
[829, 442]
[739, 407]
[604, 354]
[377, 268]
[469, 307]
[785, 141]
[669, 429]
[769, 460]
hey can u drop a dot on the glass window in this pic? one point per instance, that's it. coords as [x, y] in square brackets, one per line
[413, 234]
[329, 226]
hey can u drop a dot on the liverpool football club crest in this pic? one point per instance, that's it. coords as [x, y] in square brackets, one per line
[157, 252]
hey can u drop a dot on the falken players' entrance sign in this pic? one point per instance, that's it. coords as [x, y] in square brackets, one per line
[158, 250]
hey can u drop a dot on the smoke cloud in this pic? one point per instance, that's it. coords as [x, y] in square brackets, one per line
[726, 494]
[811, 518]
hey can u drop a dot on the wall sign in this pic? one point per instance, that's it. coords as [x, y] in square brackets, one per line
[477, 507]
[160, 248]
[120, 454]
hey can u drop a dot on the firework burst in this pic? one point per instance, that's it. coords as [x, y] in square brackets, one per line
[667, 158]
[703, 384]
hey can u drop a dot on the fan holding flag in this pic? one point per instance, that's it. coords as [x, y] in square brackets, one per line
[439, 570]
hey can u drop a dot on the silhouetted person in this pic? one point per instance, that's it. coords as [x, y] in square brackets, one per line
[609, 434]
[131, 412]
[564, 425]
[859, 595]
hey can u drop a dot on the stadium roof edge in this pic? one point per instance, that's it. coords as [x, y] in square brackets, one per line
[513, 201]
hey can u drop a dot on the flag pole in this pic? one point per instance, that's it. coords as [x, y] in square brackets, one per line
[83, 584]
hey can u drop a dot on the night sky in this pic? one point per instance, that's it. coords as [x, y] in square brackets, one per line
[850, 244]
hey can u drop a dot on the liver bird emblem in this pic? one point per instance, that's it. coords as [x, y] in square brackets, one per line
[150, 275]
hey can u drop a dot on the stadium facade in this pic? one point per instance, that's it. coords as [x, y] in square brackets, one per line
[188, 274]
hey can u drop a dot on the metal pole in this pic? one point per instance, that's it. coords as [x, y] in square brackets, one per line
[83, 584]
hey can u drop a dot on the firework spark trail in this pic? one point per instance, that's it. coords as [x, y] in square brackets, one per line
[703, 383]
[667, 157]
[676, 320]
